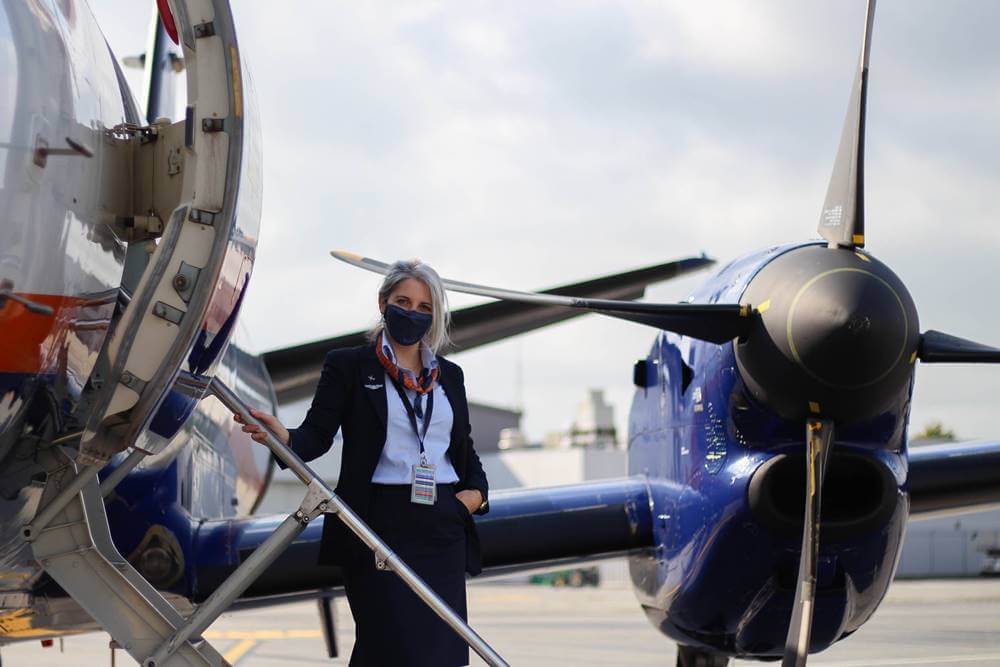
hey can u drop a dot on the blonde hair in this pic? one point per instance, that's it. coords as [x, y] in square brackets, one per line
[436, 337]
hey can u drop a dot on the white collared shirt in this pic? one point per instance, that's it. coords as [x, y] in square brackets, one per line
[402, 449]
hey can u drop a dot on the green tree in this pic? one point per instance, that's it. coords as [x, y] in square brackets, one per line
[936, 431]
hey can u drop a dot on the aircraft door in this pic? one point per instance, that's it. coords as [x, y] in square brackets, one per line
[176, 327]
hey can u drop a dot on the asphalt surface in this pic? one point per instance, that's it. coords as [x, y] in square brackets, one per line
[927, 623]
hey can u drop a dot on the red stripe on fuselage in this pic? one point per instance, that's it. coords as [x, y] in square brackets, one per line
[38, 343]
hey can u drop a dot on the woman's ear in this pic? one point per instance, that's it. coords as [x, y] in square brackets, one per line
[381, 305]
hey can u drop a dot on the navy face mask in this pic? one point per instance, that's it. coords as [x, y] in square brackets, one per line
[406, 326]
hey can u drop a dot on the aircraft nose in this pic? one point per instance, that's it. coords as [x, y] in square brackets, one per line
[835, 335]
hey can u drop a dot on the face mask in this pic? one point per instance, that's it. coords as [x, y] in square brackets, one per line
[406, 326]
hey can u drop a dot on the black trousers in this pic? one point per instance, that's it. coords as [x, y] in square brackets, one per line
[393, 627]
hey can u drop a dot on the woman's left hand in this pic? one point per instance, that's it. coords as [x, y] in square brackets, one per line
[471, 498]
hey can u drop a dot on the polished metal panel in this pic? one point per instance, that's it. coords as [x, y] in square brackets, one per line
[61, 91]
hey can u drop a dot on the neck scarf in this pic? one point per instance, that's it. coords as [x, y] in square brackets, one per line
[422, 385]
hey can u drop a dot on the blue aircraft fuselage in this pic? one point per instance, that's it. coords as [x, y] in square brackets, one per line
[726, 478]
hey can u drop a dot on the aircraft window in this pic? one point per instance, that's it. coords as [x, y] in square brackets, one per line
[687, 374]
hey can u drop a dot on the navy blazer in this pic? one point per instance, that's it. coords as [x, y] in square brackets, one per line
[351, 396]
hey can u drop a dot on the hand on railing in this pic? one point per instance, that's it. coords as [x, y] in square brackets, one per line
[270, 421]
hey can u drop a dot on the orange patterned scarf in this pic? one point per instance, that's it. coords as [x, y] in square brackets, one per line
[423, 384]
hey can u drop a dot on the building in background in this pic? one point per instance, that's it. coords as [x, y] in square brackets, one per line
[594, 425]
[512, 438]
[966, 545]
[488, 422]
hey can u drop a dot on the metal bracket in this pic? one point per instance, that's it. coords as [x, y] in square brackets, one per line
[206, 29]
[42, 151]
[147, 135]
[212, 124]
[168, 312]
[139, 227]
[132, 382]
[201, 216]
[7, 292]
[315, 502]
[175, 162]
[185, 280]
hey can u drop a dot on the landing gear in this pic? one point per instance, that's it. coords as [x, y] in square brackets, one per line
[327, 619]
[696, 657]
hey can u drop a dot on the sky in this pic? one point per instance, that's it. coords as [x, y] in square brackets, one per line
[527, 145]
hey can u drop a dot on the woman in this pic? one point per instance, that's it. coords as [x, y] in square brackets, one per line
[408, 468]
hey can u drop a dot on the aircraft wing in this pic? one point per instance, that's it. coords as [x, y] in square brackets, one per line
[295, 370]
[524, 529]
[953, 477]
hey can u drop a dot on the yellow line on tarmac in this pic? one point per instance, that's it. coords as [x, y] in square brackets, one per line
[259, 635]
[238, 651]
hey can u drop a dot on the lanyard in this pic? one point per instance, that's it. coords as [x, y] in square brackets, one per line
[411, 413]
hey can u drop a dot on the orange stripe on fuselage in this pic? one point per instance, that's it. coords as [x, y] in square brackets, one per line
[30, 342]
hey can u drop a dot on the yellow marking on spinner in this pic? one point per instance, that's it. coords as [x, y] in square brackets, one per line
[913, 357]
[791, 315]
[814, 407]
[862, 257]
[744, 310]
[764, 306]
[239, 650]
[858, 239]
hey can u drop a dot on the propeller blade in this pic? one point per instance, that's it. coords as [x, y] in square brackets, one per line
[716, 323]
[819, 441]
[941, 348]
[842, 222]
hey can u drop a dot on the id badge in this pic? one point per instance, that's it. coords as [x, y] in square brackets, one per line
[423, 490]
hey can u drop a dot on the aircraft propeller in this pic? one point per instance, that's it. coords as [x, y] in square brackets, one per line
[832, 338]
[819, 440]
[842, 225]
[842, 221]
[716, 323]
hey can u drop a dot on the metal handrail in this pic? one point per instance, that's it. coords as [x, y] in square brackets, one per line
[319, 499]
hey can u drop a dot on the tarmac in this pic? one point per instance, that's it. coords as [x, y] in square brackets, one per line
[926, 622]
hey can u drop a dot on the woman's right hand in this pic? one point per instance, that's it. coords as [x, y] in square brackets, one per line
[258, 433]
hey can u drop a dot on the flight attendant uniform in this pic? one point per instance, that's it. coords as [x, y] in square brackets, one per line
[389, 431]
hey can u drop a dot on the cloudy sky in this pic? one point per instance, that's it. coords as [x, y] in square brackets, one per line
[532, 144]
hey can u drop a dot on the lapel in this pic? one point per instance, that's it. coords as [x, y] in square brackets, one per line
[372, 374]
[448, 384]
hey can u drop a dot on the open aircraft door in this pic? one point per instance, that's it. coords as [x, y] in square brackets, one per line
[188, 201]
[173, 331]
